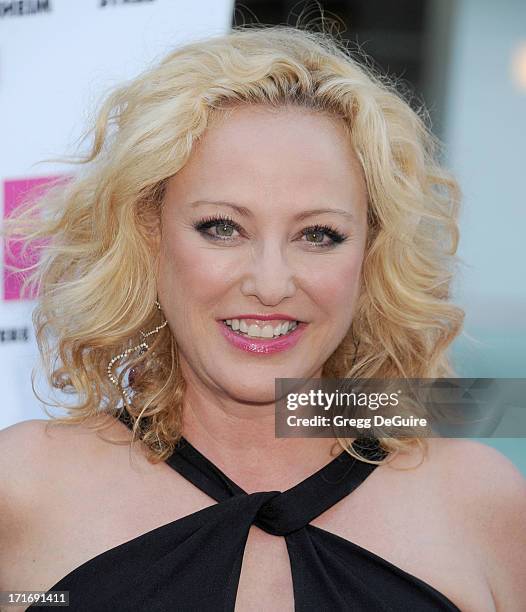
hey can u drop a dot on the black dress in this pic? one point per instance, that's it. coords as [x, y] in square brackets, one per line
[194, 563]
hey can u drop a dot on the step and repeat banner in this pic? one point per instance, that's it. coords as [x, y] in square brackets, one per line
[57, 59]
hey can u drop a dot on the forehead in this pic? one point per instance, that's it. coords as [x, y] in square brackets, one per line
[279, 154]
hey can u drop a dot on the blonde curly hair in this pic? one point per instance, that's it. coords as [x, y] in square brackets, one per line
[94, 277]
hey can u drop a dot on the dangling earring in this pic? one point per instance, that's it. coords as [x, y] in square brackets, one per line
[141, 348]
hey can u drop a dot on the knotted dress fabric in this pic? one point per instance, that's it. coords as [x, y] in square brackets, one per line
[194, 563]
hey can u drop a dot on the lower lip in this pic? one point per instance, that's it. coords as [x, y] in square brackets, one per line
[262, 345]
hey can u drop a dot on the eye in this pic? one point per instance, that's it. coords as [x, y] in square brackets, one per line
[224, 227]
[317, 232]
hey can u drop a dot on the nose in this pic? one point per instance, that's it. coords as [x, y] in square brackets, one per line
[269, 276]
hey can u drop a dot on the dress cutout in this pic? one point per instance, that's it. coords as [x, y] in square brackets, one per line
[194, 563]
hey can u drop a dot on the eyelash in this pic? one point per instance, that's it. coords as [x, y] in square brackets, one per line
[336, 236]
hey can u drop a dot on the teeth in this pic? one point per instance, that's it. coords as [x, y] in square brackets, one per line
[267, 331]
[254, 331]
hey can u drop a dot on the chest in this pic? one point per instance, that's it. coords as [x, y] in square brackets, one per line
[426, 549]
[413, 532]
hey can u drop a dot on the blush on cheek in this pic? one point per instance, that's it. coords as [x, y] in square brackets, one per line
[200, 272]
[340, 284]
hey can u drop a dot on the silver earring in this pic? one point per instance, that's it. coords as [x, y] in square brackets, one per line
[141, 348]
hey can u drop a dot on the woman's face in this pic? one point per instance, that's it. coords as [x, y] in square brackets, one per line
[267, 217]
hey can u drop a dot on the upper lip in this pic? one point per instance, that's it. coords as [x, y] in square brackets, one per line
[263, 317]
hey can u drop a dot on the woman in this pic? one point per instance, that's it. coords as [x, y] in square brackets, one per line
[257, 206]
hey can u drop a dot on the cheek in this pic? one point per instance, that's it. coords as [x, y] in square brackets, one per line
[188, 273]
[337, 286]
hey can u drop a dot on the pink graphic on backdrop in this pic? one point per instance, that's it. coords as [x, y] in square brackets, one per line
[15, 191]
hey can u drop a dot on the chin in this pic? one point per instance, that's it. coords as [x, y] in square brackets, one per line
[257, 394]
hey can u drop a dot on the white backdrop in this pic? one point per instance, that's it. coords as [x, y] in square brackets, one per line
[57, 58]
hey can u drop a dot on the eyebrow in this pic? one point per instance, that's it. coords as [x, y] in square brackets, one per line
[246, 212]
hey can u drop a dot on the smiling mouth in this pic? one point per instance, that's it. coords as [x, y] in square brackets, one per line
[265, 331]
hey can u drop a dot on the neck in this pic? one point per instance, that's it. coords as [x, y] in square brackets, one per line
[240, 440]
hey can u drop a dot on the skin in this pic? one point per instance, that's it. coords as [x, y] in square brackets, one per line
[412, 513]
[268, 267]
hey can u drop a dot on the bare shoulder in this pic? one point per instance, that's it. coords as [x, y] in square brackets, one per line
[23, 447]
[476, 473]
[41, 442]
[469, 468]
[56, 476]
[488, 492]
[39, 454]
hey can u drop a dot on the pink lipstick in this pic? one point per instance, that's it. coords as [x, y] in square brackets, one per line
[263, 345]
